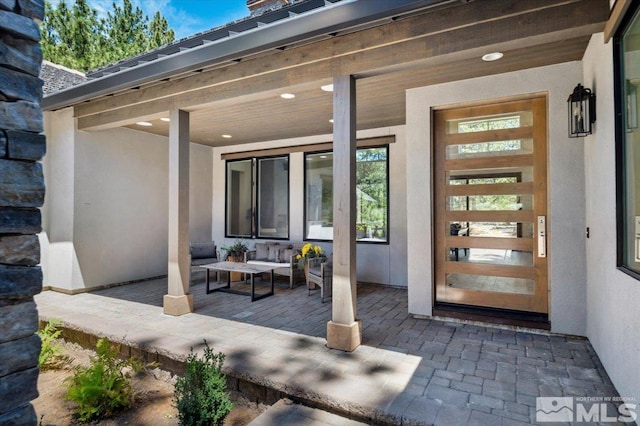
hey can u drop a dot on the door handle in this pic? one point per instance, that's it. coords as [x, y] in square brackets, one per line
[542, 236]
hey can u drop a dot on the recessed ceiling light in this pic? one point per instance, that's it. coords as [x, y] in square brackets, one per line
[327, 87]
[287, 96]
[227, 136]
[323, 156]
[144, 123]
[331, 120]
[167, 119]
[494, 56]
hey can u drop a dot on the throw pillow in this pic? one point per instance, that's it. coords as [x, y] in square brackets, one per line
[262, 251]
[285, 255]
[274, 250]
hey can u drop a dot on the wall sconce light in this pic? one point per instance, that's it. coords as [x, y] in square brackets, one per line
[632, 106]
[582, 112]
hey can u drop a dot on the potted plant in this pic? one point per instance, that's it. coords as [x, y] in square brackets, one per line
[235, 253]
[307, 252]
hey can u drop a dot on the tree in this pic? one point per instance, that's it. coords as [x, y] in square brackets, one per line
[159, 32]
[71, 36]
[127, 31]
[77, 38]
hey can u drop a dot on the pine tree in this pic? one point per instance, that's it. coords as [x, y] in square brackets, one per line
[70, 34]
[75, 37]
[127, 30]
[159, 32]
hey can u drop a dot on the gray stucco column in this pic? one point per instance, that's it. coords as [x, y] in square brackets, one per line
[178, 301]
[344, 331]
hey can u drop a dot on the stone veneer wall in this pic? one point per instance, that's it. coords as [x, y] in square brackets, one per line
[21, 195]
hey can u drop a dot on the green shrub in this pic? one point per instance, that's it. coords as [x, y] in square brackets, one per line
[104, 387]
[200, 395]
[51, 355]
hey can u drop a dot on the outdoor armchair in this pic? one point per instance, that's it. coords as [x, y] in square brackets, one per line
[321, 275]
[203, 254]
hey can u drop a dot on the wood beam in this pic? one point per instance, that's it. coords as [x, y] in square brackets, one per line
[315, 147]
[435, 22]
[409, 42]
[617, 15]
[381, 99]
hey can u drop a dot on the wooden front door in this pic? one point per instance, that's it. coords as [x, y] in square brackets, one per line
[491, 205]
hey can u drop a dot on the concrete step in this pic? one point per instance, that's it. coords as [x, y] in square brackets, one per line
[286, 412]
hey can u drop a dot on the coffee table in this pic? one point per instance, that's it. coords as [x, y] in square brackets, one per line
[243, 268]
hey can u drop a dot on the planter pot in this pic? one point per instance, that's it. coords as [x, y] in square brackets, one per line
[236, 276]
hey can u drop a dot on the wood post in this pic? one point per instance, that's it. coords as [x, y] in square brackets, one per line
[344, 331]
[178, 301]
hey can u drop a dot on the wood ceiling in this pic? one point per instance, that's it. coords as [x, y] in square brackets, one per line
[242, 99]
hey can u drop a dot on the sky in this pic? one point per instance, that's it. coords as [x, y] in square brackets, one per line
[185, 17]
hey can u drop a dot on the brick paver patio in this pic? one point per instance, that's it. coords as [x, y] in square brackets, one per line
[408, 370]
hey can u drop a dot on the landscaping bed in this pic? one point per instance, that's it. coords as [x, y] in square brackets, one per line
[153, 402]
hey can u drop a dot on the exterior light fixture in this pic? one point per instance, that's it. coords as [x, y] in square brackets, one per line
[493, 56]
[227, 136]
[144, 123]
[331, 120]
[287, 96]
[167, 119]
[581, 112]
[632, 106]
[327, 87]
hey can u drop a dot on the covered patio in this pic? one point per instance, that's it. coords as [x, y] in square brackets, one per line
[261, 88]
[408, 370]
[142, 158]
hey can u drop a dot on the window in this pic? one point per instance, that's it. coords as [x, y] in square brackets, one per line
[628, 143]
[372, 195]
[269, 205]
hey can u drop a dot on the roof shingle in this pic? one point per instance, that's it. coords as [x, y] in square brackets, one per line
[57, 77]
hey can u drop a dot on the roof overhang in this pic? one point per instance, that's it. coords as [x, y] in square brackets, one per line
[388, 49]
[332, 18]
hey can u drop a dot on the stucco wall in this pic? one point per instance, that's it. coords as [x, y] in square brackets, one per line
[121, 199]
[612, 296]
[59, 261]
[565, 219]
[200, 194]
[376, 263]
[107, 216]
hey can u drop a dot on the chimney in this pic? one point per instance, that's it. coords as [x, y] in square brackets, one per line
[258, 7]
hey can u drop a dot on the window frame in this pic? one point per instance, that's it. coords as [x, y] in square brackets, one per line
[255, 207]
[620, 142]
[226, 197]
[304, 200]
[256, 202]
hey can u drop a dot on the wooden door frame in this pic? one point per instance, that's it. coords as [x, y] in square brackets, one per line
[537, 104]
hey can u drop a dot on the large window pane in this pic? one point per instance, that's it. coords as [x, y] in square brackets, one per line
[239, 198]
[269, 205]
[319, 196]
[629, 55]
[273, 197]
[371, 195]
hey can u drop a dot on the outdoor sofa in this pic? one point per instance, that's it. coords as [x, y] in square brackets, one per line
[277, 253]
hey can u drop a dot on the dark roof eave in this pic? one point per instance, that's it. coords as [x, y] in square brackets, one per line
[337, 17]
